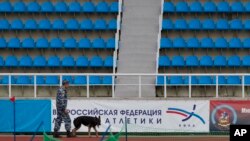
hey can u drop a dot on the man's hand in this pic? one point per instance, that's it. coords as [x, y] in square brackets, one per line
[66, 111]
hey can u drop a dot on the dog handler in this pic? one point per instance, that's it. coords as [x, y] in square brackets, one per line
[62, 112]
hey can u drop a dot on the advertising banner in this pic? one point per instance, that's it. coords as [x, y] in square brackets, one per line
[226, 112]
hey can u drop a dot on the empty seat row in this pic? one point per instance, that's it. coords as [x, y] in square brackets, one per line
[202, 80]
[57, 43]
[54, 61]
[59, 7]
[204, 61]
[55, 80]
[205, 42]
[206, 24]
[209, 6]
[58, 24]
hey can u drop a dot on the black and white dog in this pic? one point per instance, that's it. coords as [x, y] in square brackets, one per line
[90, 122]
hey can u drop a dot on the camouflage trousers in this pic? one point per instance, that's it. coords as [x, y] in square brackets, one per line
[62, 116]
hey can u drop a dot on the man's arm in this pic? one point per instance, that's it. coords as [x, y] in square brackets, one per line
[61, 99]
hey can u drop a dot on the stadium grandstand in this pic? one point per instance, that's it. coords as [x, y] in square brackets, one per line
[151, 69]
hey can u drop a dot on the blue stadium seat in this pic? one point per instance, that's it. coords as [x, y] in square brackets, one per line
[58, 24]
[178, 61]
[235, 43]
[194, 80]
[42, 43]
[33, 7]
[4, 24]
[196, 7]
[247, 80]
[100, 24]
[114, 7]
[182, 6]
[237, 6]
[168, 7]
[236, 24]
[23, 80]
[17, 24]
[195, 24]
[80, 80]
[19, 7]
[108, 62]
[247, 23]
[222, 24]
[192, 61]
[39, 61]
[82, 61]
[11, 61]
[167, 24]
[75, 7]
[3, 43]
[39, 80]
[5, 80]
[70, 43]
[5, 6]
[112, 25]
[193, 43]
[160, 81]
[54, 61]
[220, 61]
[206, 61]
[56, 43]
[221, 43]
[181, 24]
[164, 61]
[223, 6]
[86, 24]
[110, 44]
[209, 6]
[72, 24]
[246, 43]
[234, 61]
[207, 42]
[30, 24]
[107, 80]
[68, 78]
[102, 7]
[245, 61]
[179, 42]
[176, 80]
[166, 43]
[221, 80]
[68, 61]
[98, 43]
[84, 43]
[205, 80]
[14, 43]
[28, 43]
[95, 80]
[52, 80]
[96, 61]
[47, 7]
[61, 7]
[208, 24]
[247, 7]
[44, 24]
[88, 7]
[233, 80]
[1, 61]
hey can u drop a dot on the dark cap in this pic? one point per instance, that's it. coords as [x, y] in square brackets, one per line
[65, 82]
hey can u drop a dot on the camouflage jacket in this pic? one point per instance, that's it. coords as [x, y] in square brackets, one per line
[61, 99]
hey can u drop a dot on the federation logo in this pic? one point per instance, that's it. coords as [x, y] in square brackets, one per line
[187, 115]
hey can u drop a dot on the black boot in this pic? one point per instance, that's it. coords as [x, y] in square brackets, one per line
[56, 134]
[69, 135]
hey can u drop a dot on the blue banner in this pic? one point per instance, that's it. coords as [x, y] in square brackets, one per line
[29, 115]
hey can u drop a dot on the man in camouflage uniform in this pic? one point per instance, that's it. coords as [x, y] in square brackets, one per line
[62, 112]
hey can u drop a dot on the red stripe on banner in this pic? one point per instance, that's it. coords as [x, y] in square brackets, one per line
[173, 112]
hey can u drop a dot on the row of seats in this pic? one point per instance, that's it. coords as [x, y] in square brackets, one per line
[205, 42]
[204, 61]
[57, 43]
[54, 61]
[54, 80]
[202, 80]
[60, 7]
[206, 24]
[209, 6]
[58, 24]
